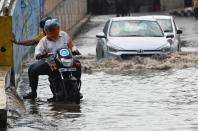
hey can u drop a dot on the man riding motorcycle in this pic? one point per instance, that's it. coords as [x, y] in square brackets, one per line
[54, 40]
[42, 34]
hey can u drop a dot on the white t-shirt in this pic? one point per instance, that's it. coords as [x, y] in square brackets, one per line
[48, 46]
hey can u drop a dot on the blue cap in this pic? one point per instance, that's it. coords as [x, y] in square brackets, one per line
[51, 22]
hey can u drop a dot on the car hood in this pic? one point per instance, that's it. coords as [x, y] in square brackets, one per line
[138, 43]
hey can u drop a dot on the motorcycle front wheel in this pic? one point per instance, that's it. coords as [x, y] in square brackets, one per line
[72, 91]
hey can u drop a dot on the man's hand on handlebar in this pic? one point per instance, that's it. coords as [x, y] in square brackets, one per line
[41, 56]
[75, 51]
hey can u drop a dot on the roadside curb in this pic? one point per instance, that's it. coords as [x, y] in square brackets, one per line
[184, 12]
[5, 77]
[3, 118]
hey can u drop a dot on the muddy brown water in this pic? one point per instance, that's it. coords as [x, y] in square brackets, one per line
[140, 94]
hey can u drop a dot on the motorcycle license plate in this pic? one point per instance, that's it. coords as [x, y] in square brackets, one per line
[67, 69]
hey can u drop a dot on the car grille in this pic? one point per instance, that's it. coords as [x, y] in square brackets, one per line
[143, 53]
[128, 56]
[142, 50]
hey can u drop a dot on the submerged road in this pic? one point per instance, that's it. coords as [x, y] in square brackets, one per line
[136, 95]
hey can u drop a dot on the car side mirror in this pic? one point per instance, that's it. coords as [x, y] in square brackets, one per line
[101, 35]
[179, 31]
[170, 36]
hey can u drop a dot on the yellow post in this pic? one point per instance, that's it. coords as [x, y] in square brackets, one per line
[6, 47]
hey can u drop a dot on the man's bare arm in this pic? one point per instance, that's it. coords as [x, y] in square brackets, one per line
[25, 42]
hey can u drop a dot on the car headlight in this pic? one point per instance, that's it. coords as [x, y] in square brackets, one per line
[166, 49]
[112, 49]
[67, 62]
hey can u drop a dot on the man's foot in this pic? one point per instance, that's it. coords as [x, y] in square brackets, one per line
[53, 99]
[30, 95]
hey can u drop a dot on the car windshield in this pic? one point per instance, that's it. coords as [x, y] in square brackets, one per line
[135, 28]
[166, 25]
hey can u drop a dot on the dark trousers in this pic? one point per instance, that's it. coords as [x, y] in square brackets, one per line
[196, 12]
[36, 69]
[42, 68]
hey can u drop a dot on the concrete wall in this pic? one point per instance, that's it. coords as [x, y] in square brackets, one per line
[68, 12]
[50, 5]
[25, 15]
[171, 4]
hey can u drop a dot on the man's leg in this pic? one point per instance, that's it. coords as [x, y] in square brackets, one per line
[51, 80]
[53, 90]
[36, 69]
[196, 13]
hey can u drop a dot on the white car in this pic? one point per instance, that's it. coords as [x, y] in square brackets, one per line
[169, 27]
[124, 37]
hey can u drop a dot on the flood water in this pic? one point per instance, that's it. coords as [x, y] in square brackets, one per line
[142, 94]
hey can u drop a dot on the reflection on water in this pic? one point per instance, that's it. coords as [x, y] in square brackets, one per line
[65, 107]
[39, 114]
[173, 61]
[144, 100]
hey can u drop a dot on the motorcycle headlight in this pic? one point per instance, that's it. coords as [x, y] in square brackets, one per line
[67, 62]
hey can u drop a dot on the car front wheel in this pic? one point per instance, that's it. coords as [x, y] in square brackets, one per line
[99, 54]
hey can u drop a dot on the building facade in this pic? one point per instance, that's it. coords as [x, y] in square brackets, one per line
[68, 12]
[108, 6]
[171, 4]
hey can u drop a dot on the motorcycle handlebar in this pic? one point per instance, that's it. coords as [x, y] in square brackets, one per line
[49, 54]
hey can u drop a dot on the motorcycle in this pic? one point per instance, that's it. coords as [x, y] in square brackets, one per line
[66, 70]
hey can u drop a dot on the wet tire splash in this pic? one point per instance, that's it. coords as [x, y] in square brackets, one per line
[174, 61]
